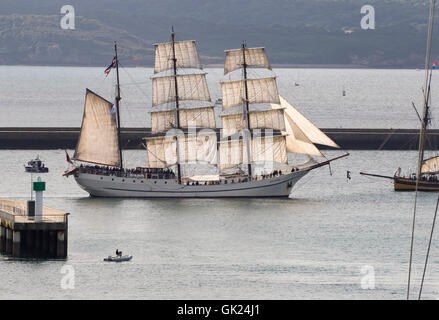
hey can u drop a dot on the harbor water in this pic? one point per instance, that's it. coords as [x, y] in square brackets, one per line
[335, 238]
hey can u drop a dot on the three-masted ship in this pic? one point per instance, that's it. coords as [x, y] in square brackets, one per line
[186, 156]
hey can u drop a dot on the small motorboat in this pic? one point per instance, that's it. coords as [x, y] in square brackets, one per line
[36, 165]
[118, 258]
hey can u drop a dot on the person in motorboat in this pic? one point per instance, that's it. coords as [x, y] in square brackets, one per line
[118, 253]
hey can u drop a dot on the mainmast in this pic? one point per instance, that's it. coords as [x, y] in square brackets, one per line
[247, 111]
[177, 114]
[118, 98]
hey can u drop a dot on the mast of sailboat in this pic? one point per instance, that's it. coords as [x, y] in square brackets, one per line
[117, 105]
[422, 132]
[247, 112]
[177, 114]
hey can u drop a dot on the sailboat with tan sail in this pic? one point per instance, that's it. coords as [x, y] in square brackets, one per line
[426, 177]
[185, 156]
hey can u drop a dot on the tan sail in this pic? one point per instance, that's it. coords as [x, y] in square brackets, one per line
[430, 165]
[161, 121]
[254, 57]
[262, 90]
[198, 117]
[232, 124]
[268, 119]
[201, 147]
[98, 141]
[190, 87]
[185, 53]
[269, 149]
[162, 151]
[306, 126]
[233, 153]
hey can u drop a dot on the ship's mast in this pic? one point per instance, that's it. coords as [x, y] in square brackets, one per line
[117, 105]
[422, 132]
[177, 114]
[426, 119]
[247, 112]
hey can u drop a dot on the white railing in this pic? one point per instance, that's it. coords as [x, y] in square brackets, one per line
[16, 212]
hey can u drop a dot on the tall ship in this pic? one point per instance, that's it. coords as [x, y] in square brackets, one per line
[186, 157]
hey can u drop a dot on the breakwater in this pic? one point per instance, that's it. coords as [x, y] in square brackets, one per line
[131, 138]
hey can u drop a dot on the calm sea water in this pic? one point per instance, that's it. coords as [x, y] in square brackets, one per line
[323, 243]
[47, 96]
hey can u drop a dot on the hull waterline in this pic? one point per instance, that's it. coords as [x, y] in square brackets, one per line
[404, 184]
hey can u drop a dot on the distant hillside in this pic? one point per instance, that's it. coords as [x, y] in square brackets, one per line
[38, 40]
[315, 32]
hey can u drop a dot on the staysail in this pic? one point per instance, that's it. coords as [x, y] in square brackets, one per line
[311, 131]
[98, 141]
[301, 133]
[297, 141]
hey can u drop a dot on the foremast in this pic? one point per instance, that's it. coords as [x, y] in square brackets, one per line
[270, 130]
[242, 142]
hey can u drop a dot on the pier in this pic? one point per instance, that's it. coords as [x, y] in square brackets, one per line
[31, 230]
[131, 138]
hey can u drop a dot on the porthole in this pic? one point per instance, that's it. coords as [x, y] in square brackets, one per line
[155, 181]
[134, 180]
[123, 180]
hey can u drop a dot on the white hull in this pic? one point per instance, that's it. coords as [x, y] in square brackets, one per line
[123, 187]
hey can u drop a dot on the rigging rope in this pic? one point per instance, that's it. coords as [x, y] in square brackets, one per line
[428, 250]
